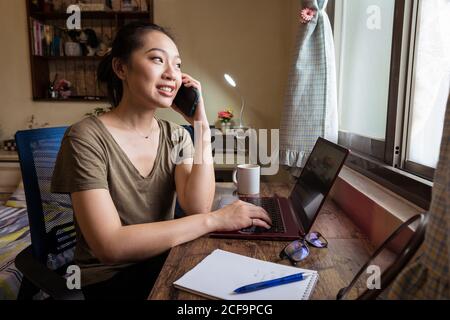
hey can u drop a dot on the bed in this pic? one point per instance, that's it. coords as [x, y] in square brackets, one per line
[14, 237]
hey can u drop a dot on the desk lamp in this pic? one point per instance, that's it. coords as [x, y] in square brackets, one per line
[232, 83]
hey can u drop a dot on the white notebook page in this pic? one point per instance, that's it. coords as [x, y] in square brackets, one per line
[220, 273]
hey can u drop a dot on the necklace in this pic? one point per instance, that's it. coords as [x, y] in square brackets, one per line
[147, 137]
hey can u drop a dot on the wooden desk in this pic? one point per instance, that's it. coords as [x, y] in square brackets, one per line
[348, 250]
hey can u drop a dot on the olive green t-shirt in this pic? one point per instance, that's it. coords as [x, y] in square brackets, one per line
[90, 158]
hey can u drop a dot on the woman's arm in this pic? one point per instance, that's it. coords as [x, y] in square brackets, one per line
[111, 242]
[195, 183]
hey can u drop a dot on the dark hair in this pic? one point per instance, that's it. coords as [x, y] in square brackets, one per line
[127, 40]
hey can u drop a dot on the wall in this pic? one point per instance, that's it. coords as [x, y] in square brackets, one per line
[16, 105]
[249, 39]
[374, 209]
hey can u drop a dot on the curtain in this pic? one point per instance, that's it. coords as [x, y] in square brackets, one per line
[428, 277]
[310, 107]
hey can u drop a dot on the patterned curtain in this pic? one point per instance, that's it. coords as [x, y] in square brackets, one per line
[428, 277]
[310, 108]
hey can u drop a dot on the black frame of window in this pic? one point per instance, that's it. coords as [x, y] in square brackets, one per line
[376, 158]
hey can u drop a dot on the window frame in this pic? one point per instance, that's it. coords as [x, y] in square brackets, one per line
[385, 161]
[407, 165]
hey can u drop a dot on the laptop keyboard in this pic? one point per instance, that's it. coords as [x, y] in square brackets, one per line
[272, 208]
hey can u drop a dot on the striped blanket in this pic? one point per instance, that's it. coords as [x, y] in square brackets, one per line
[14, 237]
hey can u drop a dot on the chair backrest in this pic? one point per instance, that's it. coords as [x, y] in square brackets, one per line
[50, 215]
[387, 261]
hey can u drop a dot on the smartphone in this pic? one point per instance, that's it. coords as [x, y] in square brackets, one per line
[187, 99]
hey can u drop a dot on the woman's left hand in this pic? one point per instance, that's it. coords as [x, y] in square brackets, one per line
[200, 114]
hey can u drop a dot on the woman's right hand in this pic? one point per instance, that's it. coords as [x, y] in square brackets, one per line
[239, 215]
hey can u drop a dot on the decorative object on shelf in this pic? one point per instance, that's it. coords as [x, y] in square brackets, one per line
[51, 89]
[9, 145]
[88, 42]
[72, 49]
[225, 119]
[98, 111]
[232, 83]
[104, 46]
[64, 88]
[306, 15]
[92, 43]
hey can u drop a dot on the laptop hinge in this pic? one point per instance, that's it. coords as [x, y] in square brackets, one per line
[301, 232]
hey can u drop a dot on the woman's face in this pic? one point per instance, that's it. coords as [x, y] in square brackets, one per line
[153, 74]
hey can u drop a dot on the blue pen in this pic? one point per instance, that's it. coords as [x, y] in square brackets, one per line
[271, 283]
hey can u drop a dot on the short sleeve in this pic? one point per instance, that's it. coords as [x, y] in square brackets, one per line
[183, 150]
[79, 166]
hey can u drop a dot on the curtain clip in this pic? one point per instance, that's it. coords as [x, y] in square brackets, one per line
[307, 14]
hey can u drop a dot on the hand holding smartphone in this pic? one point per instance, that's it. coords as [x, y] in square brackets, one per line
[187, 99]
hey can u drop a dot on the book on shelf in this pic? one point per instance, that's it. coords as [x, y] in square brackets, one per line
[46, 40]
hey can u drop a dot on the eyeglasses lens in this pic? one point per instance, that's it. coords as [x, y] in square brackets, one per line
[316, 240]
[296, 250]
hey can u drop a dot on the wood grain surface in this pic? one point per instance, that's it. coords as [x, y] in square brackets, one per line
[347, 251]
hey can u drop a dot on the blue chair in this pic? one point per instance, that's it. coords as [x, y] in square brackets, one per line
[50, 215]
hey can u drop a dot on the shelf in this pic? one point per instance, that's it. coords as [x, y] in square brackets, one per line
[92, 15]
[73, 99]
[81, 71]
[65, 58]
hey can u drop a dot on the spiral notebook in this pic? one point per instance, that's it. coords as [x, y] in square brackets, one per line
[221, 272]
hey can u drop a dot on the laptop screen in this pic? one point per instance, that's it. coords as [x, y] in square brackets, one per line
[316, 180]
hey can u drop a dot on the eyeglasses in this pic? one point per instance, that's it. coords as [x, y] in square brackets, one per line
[298, 250]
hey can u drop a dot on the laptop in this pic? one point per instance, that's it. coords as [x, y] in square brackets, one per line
[294, 216]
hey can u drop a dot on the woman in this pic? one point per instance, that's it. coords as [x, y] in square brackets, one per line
[122, 175]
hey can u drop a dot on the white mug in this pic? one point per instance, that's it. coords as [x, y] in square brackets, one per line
[246, 178]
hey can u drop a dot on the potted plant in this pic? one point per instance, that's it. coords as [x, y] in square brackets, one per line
[63, 87]
[225, 117]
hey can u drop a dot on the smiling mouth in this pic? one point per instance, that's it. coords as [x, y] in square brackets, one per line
[165, 89]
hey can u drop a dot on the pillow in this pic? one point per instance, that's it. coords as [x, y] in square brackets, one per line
[17, 199]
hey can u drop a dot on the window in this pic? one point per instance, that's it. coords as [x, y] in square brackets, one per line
[393, 85]
[364, 69]
[364, 42]
[430, 86]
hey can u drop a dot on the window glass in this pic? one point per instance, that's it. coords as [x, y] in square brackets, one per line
[365, 57]
[430, 83]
